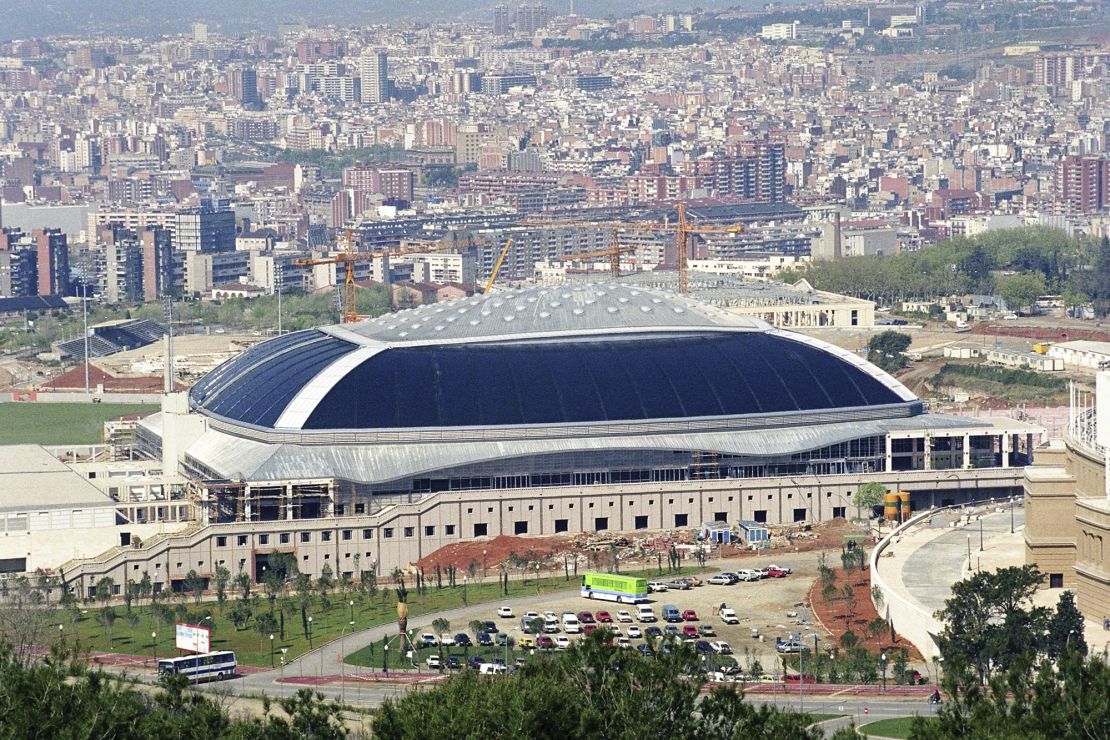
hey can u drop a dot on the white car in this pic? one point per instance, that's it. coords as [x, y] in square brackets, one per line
[719, 580]
[728, 616]
[634, 632]
[656, 587]
[433, 662]
[749, 575]
[624, 616]
[550, 615]
[428, 640]
[529, 616]
[562, 642]
[623, 642]
[446, 640]
[720, 647]
[505, 612]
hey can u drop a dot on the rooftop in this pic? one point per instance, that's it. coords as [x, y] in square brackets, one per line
[33, 479]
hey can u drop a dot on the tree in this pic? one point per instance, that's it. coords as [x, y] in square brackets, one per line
[194, 584]
[1065, 628]
[243, 583]
[885, 350]
[223, 577]
[1021, 291]
[326, 581]
[989, 623]
[146, 587]
[240, 615]
[108, 616]
[868, 496]
[104, 588]
[265, 625]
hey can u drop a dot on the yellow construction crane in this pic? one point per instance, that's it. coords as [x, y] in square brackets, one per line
[349, 257]
[682, 229]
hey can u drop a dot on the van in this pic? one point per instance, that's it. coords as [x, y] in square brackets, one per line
[492, 669]
[671, 613]
[728, 616]
[571, 624]
[645, 613]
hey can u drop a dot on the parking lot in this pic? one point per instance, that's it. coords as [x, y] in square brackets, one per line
[761, 605]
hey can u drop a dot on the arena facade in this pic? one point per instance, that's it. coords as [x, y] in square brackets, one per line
[535, 412]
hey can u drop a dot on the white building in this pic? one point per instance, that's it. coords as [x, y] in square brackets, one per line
[1082, 353]
[780, 31]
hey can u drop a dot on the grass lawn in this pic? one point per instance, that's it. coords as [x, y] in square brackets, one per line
[815, 718]
[60, 423]
[328, 622]
[898, 727]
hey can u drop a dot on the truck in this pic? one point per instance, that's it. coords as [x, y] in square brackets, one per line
[728, 616]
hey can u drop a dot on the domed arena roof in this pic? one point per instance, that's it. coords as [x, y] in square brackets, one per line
[598, 353]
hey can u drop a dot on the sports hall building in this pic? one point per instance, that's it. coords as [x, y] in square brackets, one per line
[535, 412]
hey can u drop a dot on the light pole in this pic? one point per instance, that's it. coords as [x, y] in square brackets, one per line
[283, 651]
[352, 605]
[464, 591]
[272, 666]
[969, 553]
[483, 564]
[154, 642]
[1067, 642]
[343, 661]
[310, 632]
[61, 636]
[882, 660]
[1011, 514]
[980, 534]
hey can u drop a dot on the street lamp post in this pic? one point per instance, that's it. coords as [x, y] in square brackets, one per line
[343, 662]
[352, 604]
[272, 666]
[483, 564]
[464, 591]
[969, 553]
[882, 660]
[1011, 514]
[980, 533]
[310, 632]
[154, 642]
[283, 651]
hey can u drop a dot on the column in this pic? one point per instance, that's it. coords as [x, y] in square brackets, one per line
[1005, 442]
[889, 454]
[927, 441]
[246, 503]
[967, 451]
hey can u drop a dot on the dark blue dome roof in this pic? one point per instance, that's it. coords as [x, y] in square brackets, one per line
[339, 379]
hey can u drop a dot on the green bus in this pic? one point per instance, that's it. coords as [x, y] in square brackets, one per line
[610, 587]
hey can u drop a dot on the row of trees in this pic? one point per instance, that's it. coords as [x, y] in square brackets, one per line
[1046, 260]
[60, 697]
[593, 690]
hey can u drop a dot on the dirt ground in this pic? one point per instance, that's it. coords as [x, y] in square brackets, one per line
[491, 553]
[835, 616]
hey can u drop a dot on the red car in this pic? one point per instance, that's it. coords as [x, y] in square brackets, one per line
[799, 678]
[543, 642]
[587, 627]
[775, 573]
[690, 615]
[585, 618]
[604, 618]
[690, 631]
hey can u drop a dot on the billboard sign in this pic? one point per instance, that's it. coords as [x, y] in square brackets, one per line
[193, 638]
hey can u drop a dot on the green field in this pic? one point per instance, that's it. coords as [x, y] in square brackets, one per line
[898, 727]
[60, 423]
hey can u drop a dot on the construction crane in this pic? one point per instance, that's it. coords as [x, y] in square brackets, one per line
[349, 257]
[682, 228]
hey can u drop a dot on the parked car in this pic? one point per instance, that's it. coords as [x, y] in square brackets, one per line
[624, 616]
[502, 639]
[571, 625]
[453, 663]
[527, 642]
[433, 662]
[720, 647]
[733, 576]
[720, 580]
[585, 618]
[427, 640]
[645, 613]
[645, 650]
[505, 612]
[604, 617]
[728, 616]
[463, 640]
[491, 627]
[706, 630]
[529, 616]
[562, 642]
[671, 629]
[656, 587]
[635, 632]
[446, 640]
[689, 631]
[680, 584]
[671, 613]
[588, 627]
[492, 669]
[551, 625]
[702, 646]
[798, 678]
[690, 615]
[787, 646]
[622, 642]
[475, 661]
[785, 569]
[653, 632]
[485, 640]
[543, 642]
[775, 573]
[749, 575]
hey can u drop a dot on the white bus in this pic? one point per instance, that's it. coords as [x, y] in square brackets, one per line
[201, 667]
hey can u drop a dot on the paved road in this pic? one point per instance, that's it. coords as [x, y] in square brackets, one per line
[929, 572]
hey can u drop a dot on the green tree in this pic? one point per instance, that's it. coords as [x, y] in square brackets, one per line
[868, 496]
[265, 625]
[194, 584]
[243, 583]
[240, 614]
[146, 587]
[108, 615]
[989, 622]
[1020, 291]
[885, 350]
[223, 577]
[1065, 628]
